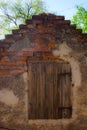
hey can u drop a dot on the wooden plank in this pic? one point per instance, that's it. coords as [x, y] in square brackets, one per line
[43, 90]
[34, 69]
[49, 76]
[55, 90]
[51, 90]
[30, 90]
[46, 109]
[65, 91]
[38, 69]
[59, 94]
[65, 80]
[68, 90]
[59, 83]
[35, 90]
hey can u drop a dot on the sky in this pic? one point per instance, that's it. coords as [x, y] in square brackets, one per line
[64, 7]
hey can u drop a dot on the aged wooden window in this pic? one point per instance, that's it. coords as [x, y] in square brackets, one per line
[49, 90]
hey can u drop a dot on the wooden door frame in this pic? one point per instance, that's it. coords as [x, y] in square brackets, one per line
[37, 60]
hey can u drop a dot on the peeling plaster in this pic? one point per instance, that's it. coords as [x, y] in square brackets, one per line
[8, 97]
[64, 52]
[76, 74]
[25, 77]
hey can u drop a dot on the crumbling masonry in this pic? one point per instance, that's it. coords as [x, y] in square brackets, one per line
[45, 38]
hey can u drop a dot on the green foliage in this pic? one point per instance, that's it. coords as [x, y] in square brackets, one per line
[14, 13]
[80, 18]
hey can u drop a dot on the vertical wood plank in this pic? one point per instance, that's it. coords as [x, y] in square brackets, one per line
[56, 90]
[65, 80]
[42, 90]
[47, 92]
[49, 70]
[30, 91]
[34, 90]
[38, 90]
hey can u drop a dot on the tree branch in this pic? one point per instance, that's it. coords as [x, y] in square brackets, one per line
[29, 8]
[11, 18]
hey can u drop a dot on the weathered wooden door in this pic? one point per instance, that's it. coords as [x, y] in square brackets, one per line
[49, 90]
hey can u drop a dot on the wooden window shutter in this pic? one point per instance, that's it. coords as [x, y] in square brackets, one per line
[49, 90]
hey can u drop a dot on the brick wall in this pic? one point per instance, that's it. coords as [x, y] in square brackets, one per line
[45, 36]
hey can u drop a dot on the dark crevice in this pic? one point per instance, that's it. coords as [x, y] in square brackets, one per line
[6, 128]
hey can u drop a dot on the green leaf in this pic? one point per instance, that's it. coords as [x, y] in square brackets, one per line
[80, 18]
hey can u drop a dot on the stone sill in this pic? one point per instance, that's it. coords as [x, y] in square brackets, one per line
[51, 121]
